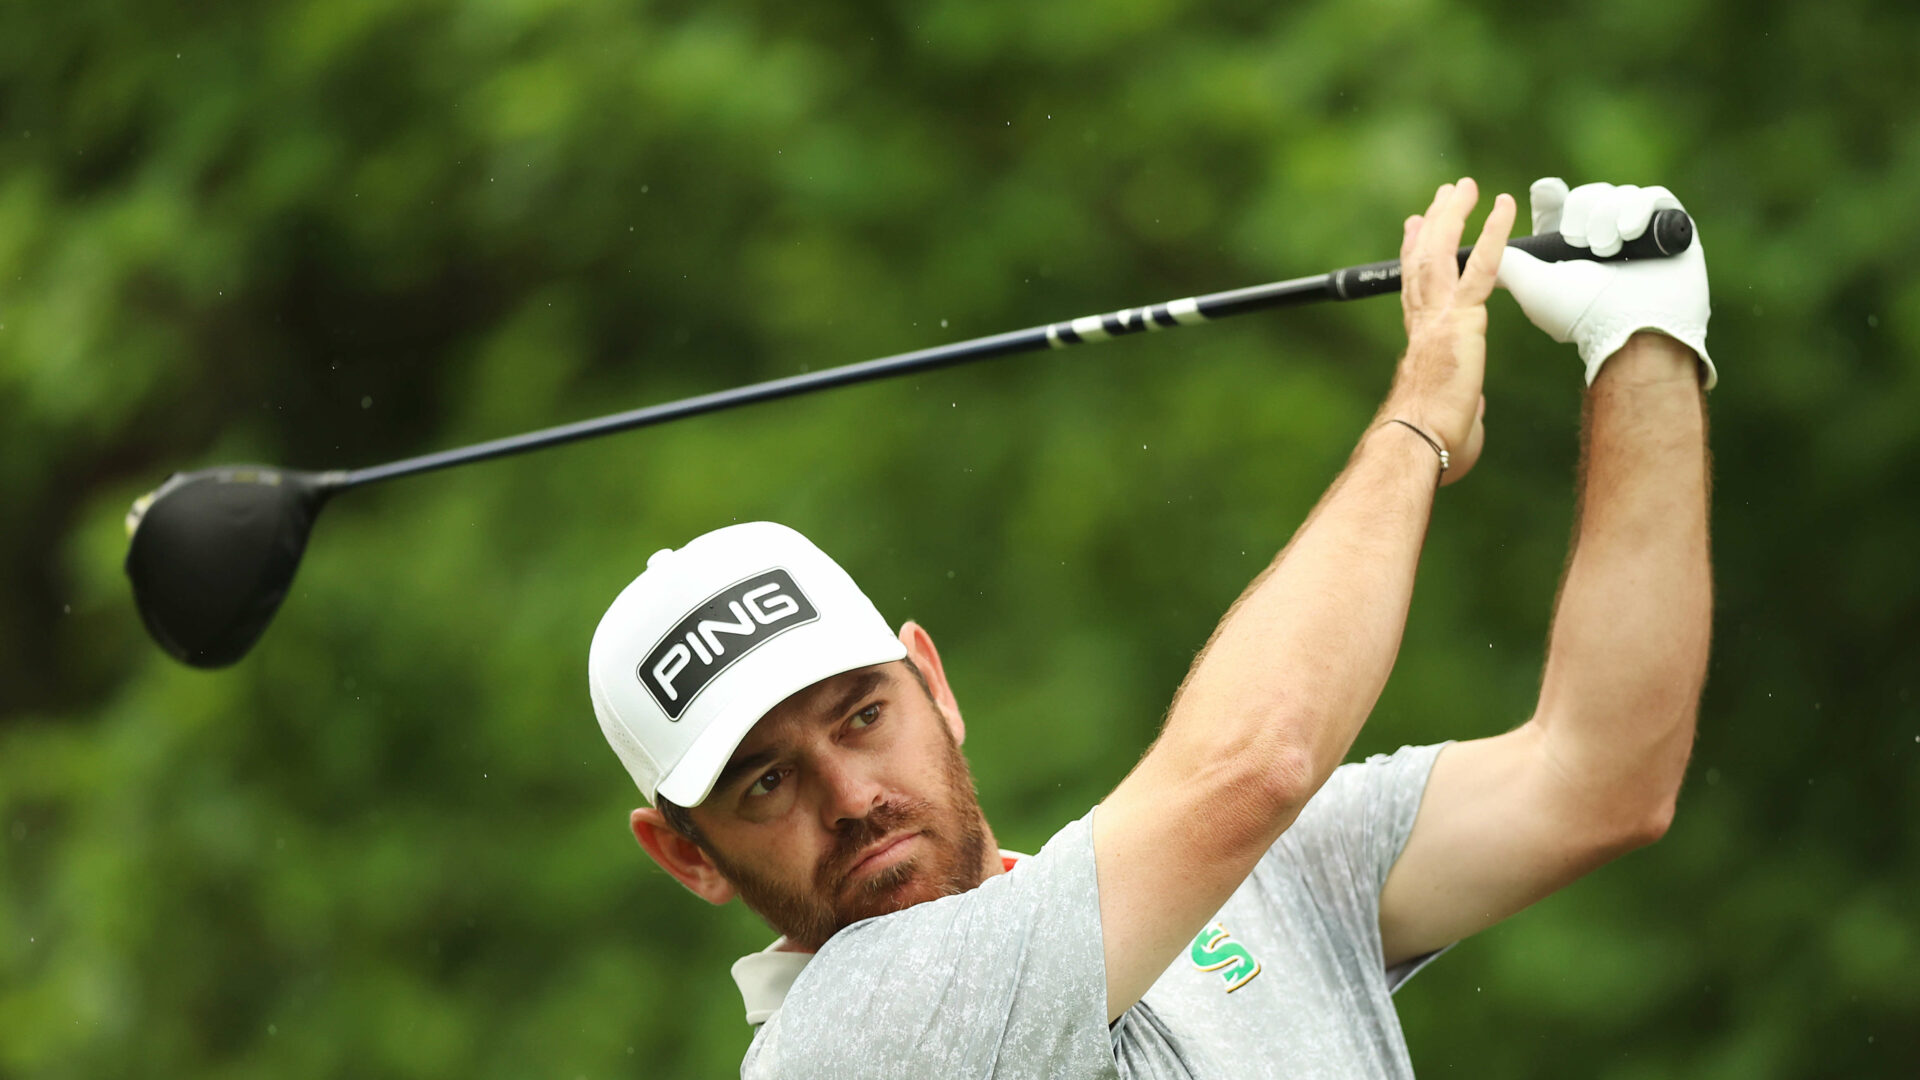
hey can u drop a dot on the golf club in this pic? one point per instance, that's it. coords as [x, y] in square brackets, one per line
[212, 553]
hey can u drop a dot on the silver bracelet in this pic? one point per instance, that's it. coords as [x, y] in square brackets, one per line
[1445, 459]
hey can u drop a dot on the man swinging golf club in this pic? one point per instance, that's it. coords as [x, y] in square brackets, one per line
[1241, 905]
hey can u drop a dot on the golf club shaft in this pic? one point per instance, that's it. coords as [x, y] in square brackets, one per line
[1669, 233]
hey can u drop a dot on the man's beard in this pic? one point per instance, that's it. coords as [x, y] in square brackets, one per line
[952, 860]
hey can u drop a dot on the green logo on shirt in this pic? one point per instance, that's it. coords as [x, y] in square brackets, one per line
[1215, 950]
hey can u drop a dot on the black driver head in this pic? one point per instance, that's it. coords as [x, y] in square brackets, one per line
[212, 554]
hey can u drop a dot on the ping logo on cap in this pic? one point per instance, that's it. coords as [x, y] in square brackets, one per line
[730, 624]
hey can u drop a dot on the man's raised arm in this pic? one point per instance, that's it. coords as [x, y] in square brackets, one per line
[1274, 701]
[1507, 820]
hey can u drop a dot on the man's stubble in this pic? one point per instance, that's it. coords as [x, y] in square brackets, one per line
[952, 861]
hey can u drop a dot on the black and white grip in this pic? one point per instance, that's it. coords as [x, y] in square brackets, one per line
[1669, 233]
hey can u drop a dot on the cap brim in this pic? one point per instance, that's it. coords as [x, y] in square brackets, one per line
[777, 679]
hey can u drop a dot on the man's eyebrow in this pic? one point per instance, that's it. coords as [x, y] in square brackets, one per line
[740, 766]
[857, 688]
[860, 687]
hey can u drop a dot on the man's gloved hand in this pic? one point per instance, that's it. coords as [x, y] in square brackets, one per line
[1598, 306]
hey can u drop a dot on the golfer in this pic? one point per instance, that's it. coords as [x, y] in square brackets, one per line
[1242, 904]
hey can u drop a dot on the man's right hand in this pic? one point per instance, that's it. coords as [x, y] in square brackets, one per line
[1438, 384]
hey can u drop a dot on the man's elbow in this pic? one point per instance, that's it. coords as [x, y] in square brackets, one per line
[1646, 827]
[1249, 795]
[1289, 779]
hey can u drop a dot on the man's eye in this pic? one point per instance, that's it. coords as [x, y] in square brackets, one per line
[765, 785]
[865, 717]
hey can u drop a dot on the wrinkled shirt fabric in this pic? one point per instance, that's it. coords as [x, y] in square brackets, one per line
[1009, 980]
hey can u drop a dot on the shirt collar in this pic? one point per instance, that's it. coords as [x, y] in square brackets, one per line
[764, 977]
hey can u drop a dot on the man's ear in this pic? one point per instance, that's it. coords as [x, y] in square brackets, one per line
[680, 856]
[920, 650]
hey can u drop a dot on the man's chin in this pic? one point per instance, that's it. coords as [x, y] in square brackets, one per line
[895, 889]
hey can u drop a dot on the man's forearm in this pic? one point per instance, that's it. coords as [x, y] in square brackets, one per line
[1298, 662]
[1630, 634]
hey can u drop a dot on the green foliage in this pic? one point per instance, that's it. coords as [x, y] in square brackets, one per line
[392, 842]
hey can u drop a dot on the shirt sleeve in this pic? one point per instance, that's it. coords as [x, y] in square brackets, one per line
[1006, 980]
[1346, 841]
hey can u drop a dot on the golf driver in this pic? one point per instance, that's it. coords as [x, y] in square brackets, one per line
[212, 553]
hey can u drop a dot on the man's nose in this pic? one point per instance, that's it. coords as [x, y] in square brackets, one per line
[848, 790]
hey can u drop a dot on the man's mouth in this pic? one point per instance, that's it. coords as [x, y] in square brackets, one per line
[882, 854]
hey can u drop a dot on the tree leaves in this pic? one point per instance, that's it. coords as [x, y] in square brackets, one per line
[330, 234]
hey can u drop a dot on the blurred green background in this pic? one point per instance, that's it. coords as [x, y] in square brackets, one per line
[392, 842]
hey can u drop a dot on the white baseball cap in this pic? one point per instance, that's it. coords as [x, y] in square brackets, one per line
[710, 638]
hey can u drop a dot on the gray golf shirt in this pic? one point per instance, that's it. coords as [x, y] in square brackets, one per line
[1009, 979]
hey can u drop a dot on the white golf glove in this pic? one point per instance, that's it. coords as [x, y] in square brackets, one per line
[1598, 306]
